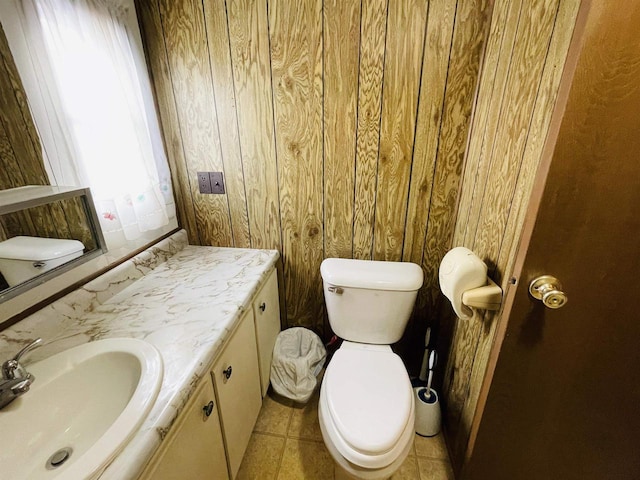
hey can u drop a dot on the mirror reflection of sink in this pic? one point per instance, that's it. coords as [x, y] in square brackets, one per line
[83, 407]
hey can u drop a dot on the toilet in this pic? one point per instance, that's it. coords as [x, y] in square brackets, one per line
[23, 257]
[366, 407]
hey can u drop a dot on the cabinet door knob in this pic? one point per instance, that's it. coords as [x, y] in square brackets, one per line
[263, 306]
[208, 409]
[227, 372]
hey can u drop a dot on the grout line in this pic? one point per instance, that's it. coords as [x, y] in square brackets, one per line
[280, 460]
[269, 434]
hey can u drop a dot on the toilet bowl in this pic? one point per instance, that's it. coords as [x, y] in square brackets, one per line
[366, 411]
[23, 258]
[366, 407]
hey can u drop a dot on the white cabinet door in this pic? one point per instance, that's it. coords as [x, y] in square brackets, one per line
[237, 383]
[266, 309]
[194, 447]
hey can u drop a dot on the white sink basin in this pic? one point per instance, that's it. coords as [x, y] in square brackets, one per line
[90, 399]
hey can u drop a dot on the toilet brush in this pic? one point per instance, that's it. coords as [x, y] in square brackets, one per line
[428, 414]
[423, 368]
[433, 359]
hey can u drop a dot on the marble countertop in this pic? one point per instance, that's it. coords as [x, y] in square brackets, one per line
[185, 300]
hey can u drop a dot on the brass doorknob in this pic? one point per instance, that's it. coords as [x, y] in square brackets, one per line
[549, 290]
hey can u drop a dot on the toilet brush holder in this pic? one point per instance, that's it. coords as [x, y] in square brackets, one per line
[428, 414]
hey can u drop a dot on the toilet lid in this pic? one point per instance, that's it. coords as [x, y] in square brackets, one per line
[38, 249]
[368, 398]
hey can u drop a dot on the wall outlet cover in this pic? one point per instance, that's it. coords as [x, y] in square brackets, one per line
[204, 182]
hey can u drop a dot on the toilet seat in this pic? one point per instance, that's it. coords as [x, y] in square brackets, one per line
[367, 404]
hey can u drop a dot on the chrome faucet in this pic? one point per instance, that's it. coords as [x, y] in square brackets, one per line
[15, 379]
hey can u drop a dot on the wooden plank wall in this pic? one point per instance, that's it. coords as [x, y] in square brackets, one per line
[331, 121]
[21, 163]
[524, 60]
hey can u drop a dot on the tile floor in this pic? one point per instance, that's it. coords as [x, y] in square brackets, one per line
[287, 445]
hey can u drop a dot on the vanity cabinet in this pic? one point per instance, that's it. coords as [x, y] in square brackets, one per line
[195, 443]
[266, 310]
[237, 384]
[212, 446]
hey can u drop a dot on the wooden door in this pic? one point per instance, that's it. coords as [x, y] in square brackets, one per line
[564, 402]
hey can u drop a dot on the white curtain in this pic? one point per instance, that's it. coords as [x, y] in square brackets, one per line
[99, 130]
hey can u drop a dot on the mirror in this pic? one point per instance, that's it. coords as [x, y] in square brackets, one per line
[54, 133]
[44, 231]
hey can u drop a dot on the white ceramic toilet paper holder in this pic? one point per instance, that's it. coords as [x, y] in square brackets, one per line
[464, 281]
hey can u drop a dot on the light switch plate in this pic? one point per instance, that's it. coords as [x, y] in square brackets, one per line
[217, 182]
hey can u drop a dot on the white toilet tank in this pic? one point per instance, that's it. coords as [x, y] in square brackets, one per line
[369, 301]
[22, 257]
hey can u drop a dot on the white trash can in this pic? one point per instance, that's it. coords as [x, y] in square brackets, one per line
[298, 358]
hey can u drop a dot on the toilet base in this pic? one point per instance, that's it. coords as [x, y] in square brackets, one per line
[345, 470]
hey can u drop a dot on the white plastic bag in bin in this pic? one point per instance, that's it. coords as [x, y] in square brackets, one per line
[298, 357]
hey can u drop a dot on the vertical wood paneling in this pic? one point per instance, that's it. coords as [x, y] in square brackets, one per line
[542, 110]
[515, 102]
[435, 66]
[186, 44]
[296, 62]
[494, 77]
[158, 64]
[527, 60]
[466, 52]
[249, 41]
[545, 101]
[341, 47]
[491, 90]
[222, 75]
[373, 28]
[327, 152]
[350, 115]
[530, 52]
[403, 59]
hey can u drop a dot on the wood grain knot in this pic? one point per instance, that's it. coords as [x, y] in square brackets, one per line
[294, 148]
[313, 231]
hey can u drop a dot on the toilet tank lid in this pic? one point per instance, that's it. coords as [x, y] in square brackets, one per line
[371, 274]
[37, 248]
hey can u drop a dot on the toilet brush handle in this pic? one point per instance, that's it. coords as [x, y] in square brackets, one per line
[423, 368]
[429, 383]
[425, 357]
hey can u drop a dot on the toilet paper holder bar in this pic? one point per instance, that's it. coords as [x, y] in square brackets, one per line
[488, 297]
[464, 281]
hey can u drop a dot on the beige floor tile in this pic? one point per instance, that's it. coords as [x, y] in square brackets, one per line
[432, 469]
[274, 416]
[432, 447]
[304, 421]
[412, 452]
[262, 458]
[408, 470]
[305, 460]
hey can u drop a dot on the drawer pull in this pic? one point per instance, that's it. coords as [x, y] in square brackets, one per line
[227, 372]
[208, 409]
[263, 306]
